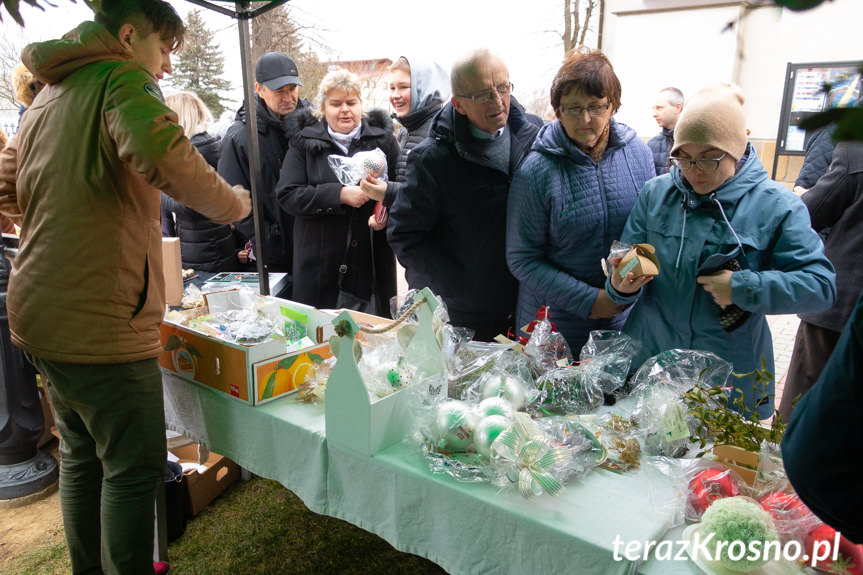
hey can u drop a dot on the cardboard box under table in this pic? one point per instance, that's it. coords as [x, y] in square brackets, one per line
[253, 373]
[207, 479]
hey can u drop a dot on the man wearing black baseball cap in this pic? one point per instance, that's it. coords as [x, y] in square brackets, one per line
[277, 80]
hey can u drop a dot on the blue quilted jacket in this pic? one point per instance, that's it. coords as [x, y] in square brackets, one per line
[784, 268]
[564, 212]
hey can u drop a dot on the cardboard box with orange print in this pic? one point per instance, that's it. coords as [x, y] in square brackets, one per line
[251, 373]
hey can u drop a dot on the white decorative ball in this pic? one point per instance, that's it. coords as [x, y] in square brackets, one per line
[506, 386]
[453, 425]
[495, 406]
[487, 431]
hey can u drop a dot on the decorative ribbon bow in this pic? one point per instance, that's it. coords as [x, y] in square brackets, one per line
[531, 456]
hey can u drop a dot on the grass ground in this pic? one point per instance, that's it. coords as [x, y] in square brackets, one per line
[256, 527]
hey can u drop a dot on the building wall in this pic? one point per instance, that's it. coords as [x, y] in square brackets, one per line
[653, 44]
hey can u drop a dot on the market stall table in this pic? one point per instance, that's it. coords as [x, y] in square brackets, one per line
[464, 527]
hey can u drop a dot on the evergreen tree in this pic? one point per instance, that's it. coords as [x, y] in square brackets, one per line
[278, 31]
[200, 64]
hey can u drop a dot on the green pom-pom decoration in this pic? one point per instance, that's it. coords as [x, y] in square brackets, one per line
[737, 519]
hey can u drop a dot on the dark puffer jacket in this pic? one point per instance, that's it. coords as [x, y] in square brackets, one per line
[274, 138]
[309, 190]
[819, 154]
[835, 205]
[660, 145]
[448, 226]
[204, 245]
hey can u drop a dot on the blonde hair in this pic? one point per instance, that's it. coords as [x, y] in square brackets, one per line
[339, 79]
[191, 112]
[24, 84]
[401, 64]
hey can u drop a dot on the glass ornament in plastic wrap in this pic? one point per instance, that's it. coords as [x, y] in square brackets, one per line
[351, 169]
[384, 369]
[565, 390]
[470, 360]
[453, 426]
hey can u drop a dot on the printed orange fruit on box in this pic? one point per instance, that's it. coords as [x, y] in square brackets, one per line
[287, 374]
[184, 356]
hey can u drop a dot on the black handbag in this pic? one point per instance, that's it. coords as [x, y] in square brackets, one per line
[349, 300]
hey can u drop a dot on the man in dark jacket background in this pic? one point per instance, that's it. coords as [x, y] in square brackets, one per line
[448, 225]
[666, 110]
[835, 205]
[277, 85]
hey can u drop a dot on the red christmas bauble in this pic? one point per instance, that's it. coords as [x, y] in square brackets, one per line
[710, 485]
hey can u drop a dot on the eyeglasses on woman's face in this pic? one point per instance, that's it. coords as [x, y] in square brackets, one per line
[704, 164]
[592, 111]
[489, 95]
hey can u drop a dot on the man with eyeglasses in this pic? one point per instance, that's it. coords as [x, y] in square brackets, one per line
[448, 225]
[666, 111]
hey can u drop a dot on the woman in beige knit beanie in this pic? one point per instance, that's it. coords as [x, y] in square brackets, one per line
[732, 244]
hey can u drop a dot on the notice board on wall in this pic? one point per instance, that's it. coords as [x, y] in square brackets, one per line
[812, 88]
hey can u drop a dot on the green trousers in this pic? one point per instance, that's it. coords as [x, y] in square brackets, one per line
[112, 457]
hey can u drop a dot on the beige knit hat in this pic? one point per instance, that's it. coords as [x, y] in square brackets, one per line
[714, 116]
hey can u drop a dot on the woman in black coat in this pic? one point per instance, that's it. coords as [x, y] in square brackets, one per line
[204, 245]
[332, 239]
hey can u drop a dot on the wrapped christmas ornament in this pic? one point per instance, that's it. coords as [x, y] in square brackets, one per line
[351, 169]
[506, 386]
[564, 391]
[454, 425]
[487, 430]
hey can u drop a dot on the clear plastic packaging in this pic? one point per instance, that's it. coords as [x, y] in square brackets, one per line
[566, 390]
[694, 485]
[547, 348]
[607, 357]
[350, 170]
[382, 366]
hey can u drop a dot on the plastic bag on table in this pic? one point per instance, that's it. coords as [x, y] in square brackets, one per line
[606, 358]
[547, 348]
[240, 320]
[471, 360]
[445, 429]
[565, 390]
[617, 435]
[509, 377]
[383, 367]
[661, 416]
[695, 484]
[314, 389]
[192, 297]
[685, 366]
[351, 169]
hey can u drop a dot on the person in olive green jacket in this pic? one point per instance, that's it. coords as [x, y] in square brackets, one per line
[86, 294]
